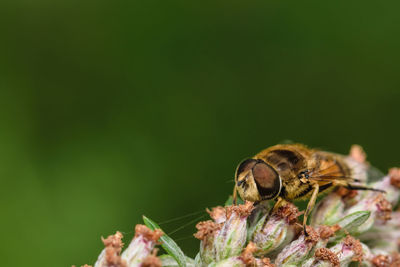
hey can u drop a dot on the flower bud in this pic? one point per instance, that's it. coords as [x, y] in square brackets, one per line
[384, 235]
[207, 232]
[348, 250]
[246, 259]
[141, 246]
[328, 210]
[323, 257]
[220, 241]
[298, 250]
[275, 231]
[325, 233]
[230, 240]
[110, 256]
[377, 204]
[386, 260]
[238, 262]
[389, 183]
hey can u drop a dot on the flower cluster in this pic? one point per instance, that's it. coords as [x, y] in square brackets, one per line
[346, 226]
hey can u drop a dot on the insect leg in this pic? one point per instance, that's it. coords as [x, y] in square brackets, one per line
[234, 195]
[310, 206]
[277, 204]
[362, 187]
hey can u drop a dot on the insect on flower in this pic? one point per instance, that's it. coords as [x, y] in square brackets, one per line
[295, 172]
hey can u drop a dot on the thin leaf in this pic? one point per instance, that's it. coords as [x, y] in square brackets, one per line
[351, 222]
[168, 244]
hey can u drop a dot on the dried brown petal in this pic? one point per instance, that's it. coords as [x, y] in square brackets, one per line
[267, 262]
[312, 235]
[152, 260]
[113, 244]
[380, 261]
[218, 214]
[247, 255]
[355, 246]
[206, 228]
[394, 174]
[147, 233]
[114, 259]
[358, 153]
[114, 241]
[327, 255]
[395, 261]
[241, 210]
[326, 232]
[346, 193]
[289, 212]
[384, 207]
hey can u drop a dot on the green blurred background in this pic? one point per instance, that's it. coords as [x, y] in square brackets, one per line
[114, 109]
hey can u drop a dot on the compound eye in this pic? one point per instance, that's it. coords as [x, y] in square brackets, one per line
[267, 180]
[244, 166]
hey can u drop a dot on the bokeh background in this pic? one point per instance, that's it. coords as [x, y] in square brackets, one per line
[114, 109]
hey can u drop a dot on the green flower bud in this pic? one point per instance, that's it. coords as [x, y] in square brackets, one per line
[298, 250]
[207, 231]
[224, 240]
[141, 245]
[384, 235]
[377, 204]
[328, 210]
[230, 240]
[348, 250]
[246, 258]
[274, 232]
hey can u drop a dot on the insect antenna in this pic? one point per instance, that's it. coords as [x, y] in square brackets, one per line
[187, 224]
[176, 226]
[183, 238]
[175, 220]
[181, 217]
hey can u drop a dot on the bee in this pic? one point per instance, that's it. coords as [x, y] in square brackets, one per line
[295, 172]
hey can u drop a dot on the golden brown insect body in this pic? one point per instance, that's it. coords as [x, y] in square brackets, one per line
[294, 172]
